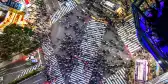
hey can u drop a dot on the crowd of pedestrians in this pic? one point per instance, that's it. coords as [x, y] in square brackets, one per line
[142, 54]
[69, 46]
[80, 48]
[72, 47]
[37, 17]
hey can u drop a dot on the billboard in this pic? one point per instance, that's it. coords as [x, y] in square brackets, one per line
[13, 4]
[141, 70]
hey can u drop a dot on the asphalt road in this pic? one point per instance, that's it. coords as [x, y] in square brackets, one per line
[58, 31]
[11, 71]
[38, 79]
[13, 68]
[9, 77]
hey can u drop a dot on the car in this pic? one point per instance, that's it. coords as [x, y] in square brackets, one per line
[114, 7]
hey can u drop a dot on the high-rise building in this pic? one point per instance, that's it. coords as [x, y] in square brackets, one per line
[151, 28]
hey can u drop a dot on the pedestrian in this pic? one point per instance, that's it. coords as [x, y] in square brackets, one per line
[123, 22]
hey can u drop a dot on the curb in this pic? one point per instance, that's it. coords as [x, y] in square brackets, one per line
[128, 17]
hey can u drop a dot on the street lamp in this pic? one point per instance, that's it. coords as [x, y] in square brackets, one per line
[159, 62]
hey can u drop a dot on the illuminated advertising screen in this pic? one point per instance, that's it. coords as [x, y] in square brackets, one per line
[141, 70]
[13, 4]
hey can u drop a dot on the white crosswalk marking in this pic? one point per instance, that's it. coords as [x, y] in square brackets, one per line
[47, 52]
[54, 67]
[117, 78]
[63, 10]
[110, 80]
[28, 70]
[3, 71]
[128, 36]
[94, 33]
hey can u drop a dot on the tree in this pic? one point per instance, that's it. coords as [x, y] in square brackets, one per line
[15, 39]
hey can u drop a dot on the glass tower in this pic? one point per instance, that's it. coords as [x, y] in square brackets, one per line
[150, 22]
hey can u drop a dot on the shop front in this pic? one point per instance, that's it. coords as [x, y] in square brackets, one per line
[11, 16]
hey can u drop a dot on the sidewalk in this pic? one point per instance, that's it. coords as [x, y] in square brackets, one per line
[14, 59]
[5, 63]
[79, 1]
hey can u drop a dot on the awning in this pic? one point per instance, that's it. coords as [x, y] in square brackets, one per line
[27, 2]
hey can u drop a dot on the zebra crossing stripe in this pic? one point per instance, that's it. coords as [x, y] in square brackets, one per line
[22, 73]
[55, 68]
[2, 71]
[55, 14]
[117, 78]
[35, 67]
[64, 10]
[48, 46]
[113, 78]
[19, 75]
[25, 71]
[77, 75]
[109, 80]
[129, 28]
[60, 81]
[82, 82]
[123, 72]
[120, 78]
[46, 51]
[87, 46]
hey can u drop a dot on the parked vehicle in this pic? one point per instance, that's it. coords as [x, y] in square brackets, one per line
[114, 7]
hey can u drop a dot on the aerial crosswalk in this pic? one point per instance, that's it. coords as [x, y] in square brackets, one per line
[128, 36]
[117, 78]
[77, 75]
[65, 8]
[54, 70]
[48, 50]
[89, 46]
[94, 35]
[28, 70]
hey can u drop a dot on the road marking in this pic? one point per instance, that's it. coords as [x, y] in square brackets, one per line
[17, 71]
[1, 78]
[5, 69]
[14, 72]
[29, 78]
[39, 56]
[2, 68]
[37, 81]
[16, 66]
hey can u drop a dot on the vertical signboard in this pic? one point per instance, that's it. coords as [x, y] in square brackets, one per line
[141, 70]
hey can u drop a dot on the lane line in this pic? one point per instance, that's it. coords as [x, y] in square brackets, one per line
[37, 81]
